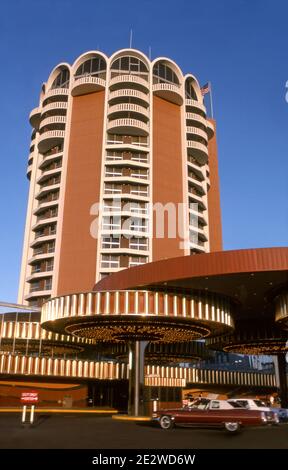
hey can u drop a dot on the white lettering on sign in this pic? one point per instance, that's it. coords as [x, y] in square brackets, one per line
[29, 397]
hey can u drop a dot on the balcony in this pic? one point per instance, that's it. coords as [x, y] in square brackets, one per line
[140, 232]
[30, 156]
[197, 106]
[127, 250]
[128, 93]
[38, 293]
[195, 131]
[210, 129]
[44, 205]
[118, 109]
[130, 163]
[29, 171]
[46, 174]
[52, 120]
[196, 119]
[200, 248]
[33, 141]
[39, 275]
[198, 215]
[55, 105]
[40, 256]
[198, 184]
[44, 238]
[126, 196]
[87, 84]
[50, 139]
[34, 117]
[115, 145]
[130, 81]
[195, 199]
[128, 178]
[136, 263]
[199, 170]
[168, 92]
[128, 126]
[47, 189]
[199, 232]
[49, 158]
[45, 221]
[197, 150]
[56, 92]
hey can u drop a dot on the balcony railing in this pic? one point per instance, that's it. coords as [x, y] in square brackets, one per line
[128, 108]
[196, 118]
[34, 117]
[133, 79]
[196, 104]
[54, 105]
[128, 92]
[169, 92]
[87, 84]
[210, 129]
[52, 120]
[199, 151]
[56, 92]
[129, 126]
[198, 132]
[50, 139]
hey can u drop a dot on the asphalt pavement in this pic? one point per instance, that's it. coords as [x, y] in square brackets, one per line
[90, 432]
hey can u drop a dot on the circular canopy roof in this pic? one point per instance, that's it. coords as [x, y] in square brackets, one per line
[138, 315]
[252, 337]
[252, 278]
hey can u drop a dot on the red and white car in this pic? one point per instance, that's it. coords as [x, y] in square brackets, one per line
[206, 412]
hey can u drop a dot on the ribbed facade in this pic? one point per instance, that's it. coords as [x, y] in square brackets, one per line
[125, 132]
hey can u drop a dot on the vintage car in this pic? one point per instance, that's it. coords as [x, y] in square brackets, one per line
[205, 412]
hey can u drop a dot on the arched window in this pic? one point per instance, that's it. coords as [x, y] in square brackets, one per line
[190, 93]
[163, 73]
[62, 79]
[129, 65]
[96, 67]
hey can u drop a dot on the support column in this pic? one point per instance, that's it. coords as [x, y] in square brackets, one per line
[281, 379]
[136, 378]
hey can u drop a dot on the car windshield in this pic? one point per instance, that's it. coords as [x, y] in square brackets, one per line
[201, 404]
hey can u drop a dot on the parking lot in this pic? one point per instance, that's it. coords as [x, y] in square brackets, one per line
[90, 432]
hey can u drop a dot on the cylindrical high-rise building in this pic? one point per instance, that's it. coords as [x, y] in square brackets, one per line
[117, 144]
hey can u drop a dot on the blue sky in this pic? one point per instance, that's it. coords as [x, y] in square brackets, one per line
[241, 46]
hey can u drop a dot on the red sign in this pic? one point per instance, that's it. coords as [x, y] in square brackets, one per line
[29, 398]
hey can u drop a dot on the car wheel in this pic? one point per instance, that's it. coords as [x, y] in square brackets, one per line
[232, 427]
[166, 422]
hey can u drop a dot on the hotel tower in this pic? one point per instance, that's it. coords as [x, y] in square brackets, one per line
[112, 138]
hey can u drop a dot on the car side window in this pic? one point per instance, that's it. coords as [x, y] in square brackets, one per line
[215, 405]
[243, 403]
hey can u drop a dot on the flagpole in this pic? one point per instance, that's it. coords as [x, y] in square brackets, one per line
[211, 100]
[131, 36]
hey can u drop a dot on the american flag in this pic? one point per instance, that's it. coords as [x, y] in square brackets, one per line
[205, 89]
